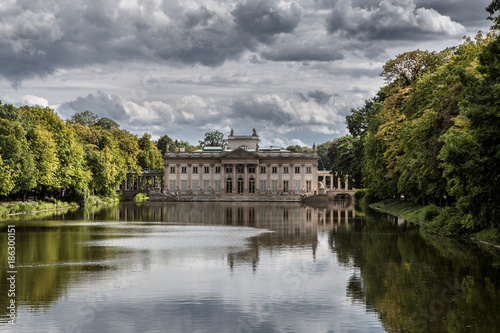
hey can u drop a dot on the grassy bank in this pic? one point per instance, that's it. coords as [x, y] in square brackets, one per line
[33, 206]
[446, 221]
[14, 208]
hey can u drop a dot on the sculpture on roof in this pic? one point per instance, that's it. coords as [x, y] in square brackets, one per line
[254, 132]
[232, 132]
[314, 146]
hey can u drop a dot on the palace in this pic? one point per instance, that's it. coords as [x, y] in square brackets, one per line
[240, 168]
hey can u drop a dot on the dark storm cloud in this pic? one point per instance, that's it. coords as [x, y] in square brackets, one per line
[37, 40]
[318, 96]
[266, 18]
[105, 106]
[390, 20]
[307, 52]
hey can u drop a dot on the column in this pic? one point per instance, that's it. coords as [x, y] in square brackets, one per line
[280, 177]
[223, 181]
[178, 177]
[338, 182]
[245, 179]
[346, 182]
[235, 181]
[165, 177]
[258, 190]
[189, 173]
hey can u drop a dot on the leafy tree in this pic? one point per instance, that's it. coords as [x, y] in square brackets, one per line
[213, 139]
[44, 151]
[322, 150]
[149, 157]
[162, 143]
[471, 148]
[16, 155]
[6, 181]
[407, 67]
[492, 9]
[85, 118]
[107, 124]
[9, 112]
[343, 158]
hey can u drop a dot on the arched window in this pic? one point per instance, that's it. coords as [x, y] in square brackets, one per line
[251, 185]
[240, 185]
[229, 185]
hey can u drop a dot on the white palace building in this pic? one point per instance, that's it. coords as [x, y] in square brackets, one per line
[240, 168]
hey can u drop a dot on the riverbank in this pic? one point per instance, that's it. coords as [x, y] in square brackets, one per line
[446, 221]
[29, 207]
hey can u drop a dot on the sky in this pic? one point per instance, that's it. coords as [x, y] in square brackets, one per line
[291, 69]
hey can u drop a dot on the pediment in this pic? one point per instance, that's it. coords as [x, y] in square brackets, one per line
[240, 153]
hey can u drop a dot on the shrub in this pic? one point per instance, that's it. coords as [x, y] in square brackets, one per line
[359, 194]
[449, 222]
[428, 213]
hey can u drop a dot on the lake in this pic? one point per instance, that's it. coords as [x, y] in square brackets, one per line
[241, 267]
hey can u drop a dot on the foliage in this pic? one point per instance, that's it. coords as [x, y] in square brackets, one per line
[447, 223]
[149, 157]
[85, 118]
[428, 213]
[359, 194]
[213, 139]
[162, 143]
[6, 182]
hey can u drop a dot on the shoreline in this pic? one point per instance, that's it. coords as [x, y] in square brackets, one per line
[411, 212]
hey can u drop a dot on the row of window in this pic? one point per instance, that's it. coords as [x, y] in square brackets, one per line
[230, 188]
[251, 169]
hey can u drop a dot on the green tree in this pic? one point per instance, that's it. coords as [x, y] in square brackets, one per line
[6, 181]
[149, 157]
[16, 155]
[471, 151]
[44, 151]
[107, 124]
[85, 118]
[213, 139]
[162, 143]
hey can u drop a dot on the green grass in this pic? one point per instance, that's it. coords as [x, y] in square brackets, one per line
[32, 206]
[407, 210]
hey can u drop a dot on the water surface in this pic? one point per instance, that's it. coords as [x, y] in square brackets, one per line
[242, 267]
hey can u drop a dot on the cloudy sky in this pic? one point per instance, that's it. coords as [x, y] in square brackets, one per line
[291, 69]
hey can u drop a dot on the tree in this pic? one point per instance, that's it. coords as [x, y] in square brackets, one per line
[16, 155]
[149, 157]
[471, 148]
[162, 143]
[107, 124]
[407, 67]
[6, 181]
[44, 151]
[213, 139]
[85, 118]
[9, 112]
[492, 9]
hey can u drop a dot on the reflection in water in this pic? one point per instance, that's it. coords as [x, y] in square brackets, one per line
[241, 267]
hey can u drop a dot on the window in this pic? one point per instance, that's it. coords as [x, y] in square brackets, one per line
[274, 186]
[251, 169]
[172, 169]
[274, 170]
[297, 169]
[251, 185]
[217, 169]
[195, 169]
[240, 169]
[206, 186]
[285, 186]
[183, 170]
[183, 186]
[195, 186]
[262, 169]
[308, 170]
[207, 169]
[172, 185]
[296, 185]
[263, 188]
[285, 169]
[229, 169]
[308, 186]
[217, 186]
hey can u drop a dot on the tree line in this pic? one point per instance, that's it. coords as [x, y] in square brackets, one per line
[41, 155]
[432, 133]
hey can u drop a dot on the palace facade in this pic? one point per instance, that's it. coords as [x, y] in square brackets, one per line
[240, 168]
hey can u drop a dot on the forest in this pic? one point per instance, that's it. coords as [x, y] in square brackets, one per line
[431, 135]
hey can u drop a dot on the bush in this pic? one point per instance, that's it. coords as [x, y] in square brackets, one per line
[369, 198]
[449, 222]
[359, 194]
[141, 197]
[428, 213]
